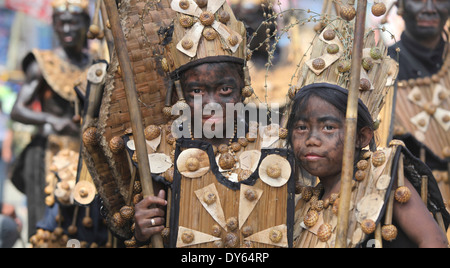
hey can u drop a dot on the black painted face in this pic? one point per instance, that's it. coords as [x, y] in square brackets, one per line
[425, 19]
[318, 138]
[219, 83]
[71, 29]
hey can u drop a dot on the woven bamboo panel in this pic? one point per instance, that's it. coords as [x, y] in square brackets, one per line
[141, 21]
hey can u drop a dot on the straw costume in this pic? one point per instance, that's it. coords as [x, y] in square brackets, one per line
[239, 194]
[423, 106]
[372, 194]
[48, 167]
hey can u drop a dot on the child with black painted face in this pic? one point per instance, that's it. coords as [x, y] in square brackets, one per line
[316, 134]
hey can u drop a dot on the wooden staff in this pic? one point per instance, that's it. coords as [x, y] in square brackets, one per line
[351, 127]
[133, 105]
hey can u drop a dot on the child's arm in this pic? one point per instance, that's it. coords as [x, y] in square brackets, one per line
[418, 223]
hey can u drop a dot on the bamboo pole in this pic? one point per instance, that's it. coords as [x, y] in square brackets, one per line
[133, 105]
[351, 127]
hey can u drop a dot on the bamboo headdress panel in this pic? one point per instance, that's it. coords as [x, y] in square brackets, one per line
[74, 6]
[330, 62]
[204, 29]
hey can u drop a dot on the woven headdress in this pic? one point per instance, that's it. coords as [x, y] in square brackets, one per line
[330, 62]
[205, 31]
[74, 6]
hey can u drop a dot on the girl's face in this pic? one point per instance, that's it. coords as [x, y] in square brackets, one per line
[318, 138]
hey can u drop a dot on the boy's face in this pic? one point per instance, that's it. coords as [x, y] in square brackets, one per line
[425, 18]
[71, 29]
[318, 138]
[214, 83]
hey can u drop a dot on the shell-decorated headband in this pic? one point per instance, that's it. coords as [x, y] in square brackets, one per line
[203, 29]
[73, 6]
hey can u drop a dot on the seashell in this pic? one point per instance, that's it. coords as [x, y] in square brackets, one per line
[250, 195]
[127, 212]
[275, 236]
[446, 152]
[344, 66]
[247, 244]
[117, 220]
[209, 198]
[389, 232]
[243, 142]
[317, 205]
[378, 158]
[137, 198]
[348, 12]
[283, 133]
[167, 111]
[368, 226]
[184, 4]
[247, 231]
[165, 65]
[430, 108]
[307, 193]
[274, 171]
[364, 84]
[227, 161]
[207, 18]
[379, 9]
[362, 165]
[244, 174]
[152, 132]
[209, 33]
[396, 143]
[247, 92]
[402, 194]
[360, 175]
[186, 21]
[202, 3]
[72, 230]
[170, 139]
[311, 218]
[335, 208]
[236, 147]
[292, 92]
[233, 40]
[165, 233]
[216, 230]
[375, 53]
[90, 136]
[130, 243]
[223, 149]
[231, 240]
[224, 17]
[367, 64]
[232, 223]
[319, 64]
[169, 174]
[326, 203]
[329, 35]
[116, 144]
[187, 44]
[332, 49]
[192, 164]
[325, 231]
[187, 237]
[319, 27]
